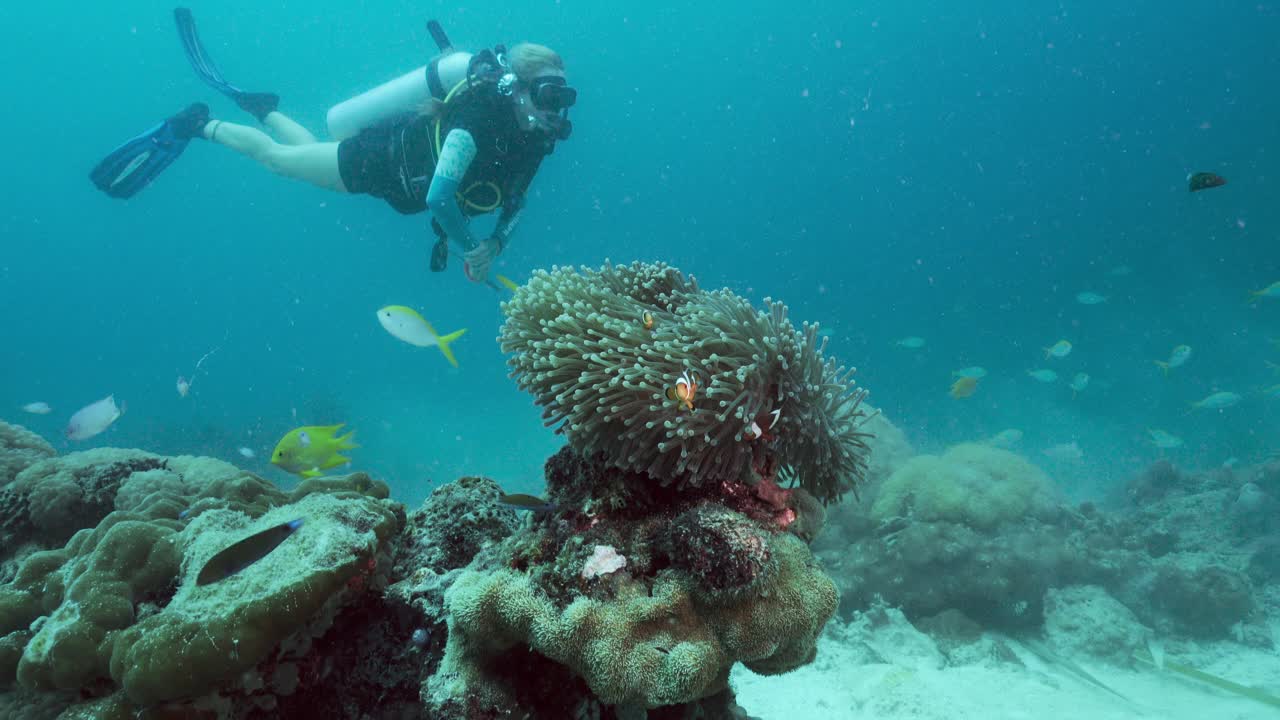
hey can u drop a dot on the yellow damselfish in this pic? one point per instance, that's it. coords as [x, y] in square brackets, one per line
[312, 449]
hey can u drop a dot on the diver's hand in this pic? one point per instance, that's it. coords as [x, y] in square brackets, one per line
[479, 260]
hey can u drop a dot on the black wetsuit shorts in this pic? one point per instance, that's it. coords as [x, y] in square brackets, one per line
[379, 161]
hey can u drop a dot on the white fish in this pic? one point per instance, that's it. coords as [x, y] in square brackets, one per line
[911, 343]
[1164, 438]
[37, 408]
[973, 372]
[183, 387]
[1064, 451]
[1060, 349]
[247, 453]
[405, 323]
[1090, 298]
[1044, 375]
[1177, 358]
[1078, 383]
[1216, 401]
[93, 419]
[1006, 439]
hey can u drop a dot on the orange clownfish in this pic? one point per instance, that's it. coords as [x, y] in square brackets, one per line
[646, 317]
[685, 390]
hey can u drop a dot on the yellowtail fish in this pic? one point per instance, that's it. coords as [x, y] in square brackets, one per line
[404, 323]
[309, 450]
[1177, 358]
[1006, 439]
[1078, 383]
[1270, 291]
[93, 419]
[246, 552]
[964, 387]
[37, 408]
[1090, 298]
[1164, 439]
[910, 343]
[1043, 375]
[1060, 349]
[1216, 401]
[973, 372]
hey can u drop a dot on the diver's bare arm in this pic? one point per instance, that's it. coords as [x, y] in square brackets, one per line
[455, 157]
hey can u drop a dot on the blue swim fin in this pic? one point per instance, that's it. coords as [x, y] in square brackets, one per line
[256, 104]
[131, 167]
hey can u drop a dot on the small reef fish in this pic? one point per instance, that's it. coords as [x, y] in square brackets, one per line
[507, 283]
[911, 342]
[1120, 271]
[246, 552]
[1078, 383]
[1177, 358]
[404, 323]
[755, 431]
[963, 387]
[1270, 291]
[1064, 451]
[1164, 439]
[93, 419]
[246, 453]
[646, 319]
[1090, 298]
[37, 408]
[532, 503]
[183, 387]
[1273, 391]
[1043, 375]
[1216, 401]
[684, 391]
[1060, 349]
[309, 450]
[1006, 439]
[973, 372]
[1204, 181]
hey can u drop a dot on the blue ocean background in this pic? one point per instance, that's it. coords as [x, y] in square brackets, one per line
[953, 172]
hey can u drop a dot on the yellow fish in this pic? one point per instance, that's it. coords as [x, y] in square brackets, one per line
[1270, 291]
[507, 283]
[1062, 348]
[312, 449]
[964, 387]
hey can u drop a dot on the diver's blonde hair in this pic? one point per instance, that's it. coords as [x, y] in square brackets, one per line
[530, 60]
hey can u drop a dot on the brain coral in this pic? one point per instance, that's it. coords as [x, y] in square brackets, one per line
[977, 485]
[600, 349]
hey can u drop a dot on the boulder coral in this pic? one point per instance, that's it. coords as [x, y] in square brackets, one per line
[116, 609]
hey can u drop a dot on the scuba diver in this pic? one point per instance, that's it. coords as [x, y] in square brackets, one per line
[462, 136]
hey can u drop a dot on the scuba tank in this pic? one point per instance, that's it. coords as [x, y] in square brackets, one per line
[408, 93]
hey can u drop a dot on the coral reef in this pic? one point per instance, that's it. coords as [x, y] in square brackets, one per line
[115, 613]
[704, 585]
[603, 351]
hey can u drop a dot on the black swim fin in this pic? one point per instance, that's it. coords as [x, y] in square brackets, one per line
[256, 104]
[131, 167]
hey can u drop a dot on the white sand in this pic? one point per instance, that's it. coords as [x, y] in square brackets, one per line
[894, 672]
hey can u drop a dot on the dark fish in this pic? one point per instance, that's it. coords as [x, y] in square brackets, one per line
[527, 502]
[245, 553]
[1204, 181]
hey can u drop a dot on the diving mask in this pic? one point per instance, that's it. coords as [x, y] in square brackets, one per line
[551, 93]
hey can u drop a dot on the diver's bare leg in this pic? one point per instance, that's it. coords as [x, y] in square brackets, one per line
[287, 129]
[316, 162]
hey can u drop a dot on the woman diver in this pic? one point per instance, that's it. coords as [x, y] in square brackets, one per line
[462, 136]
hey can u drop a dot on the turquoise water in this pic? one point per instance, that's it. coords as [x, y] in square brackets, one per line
[890, 170]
